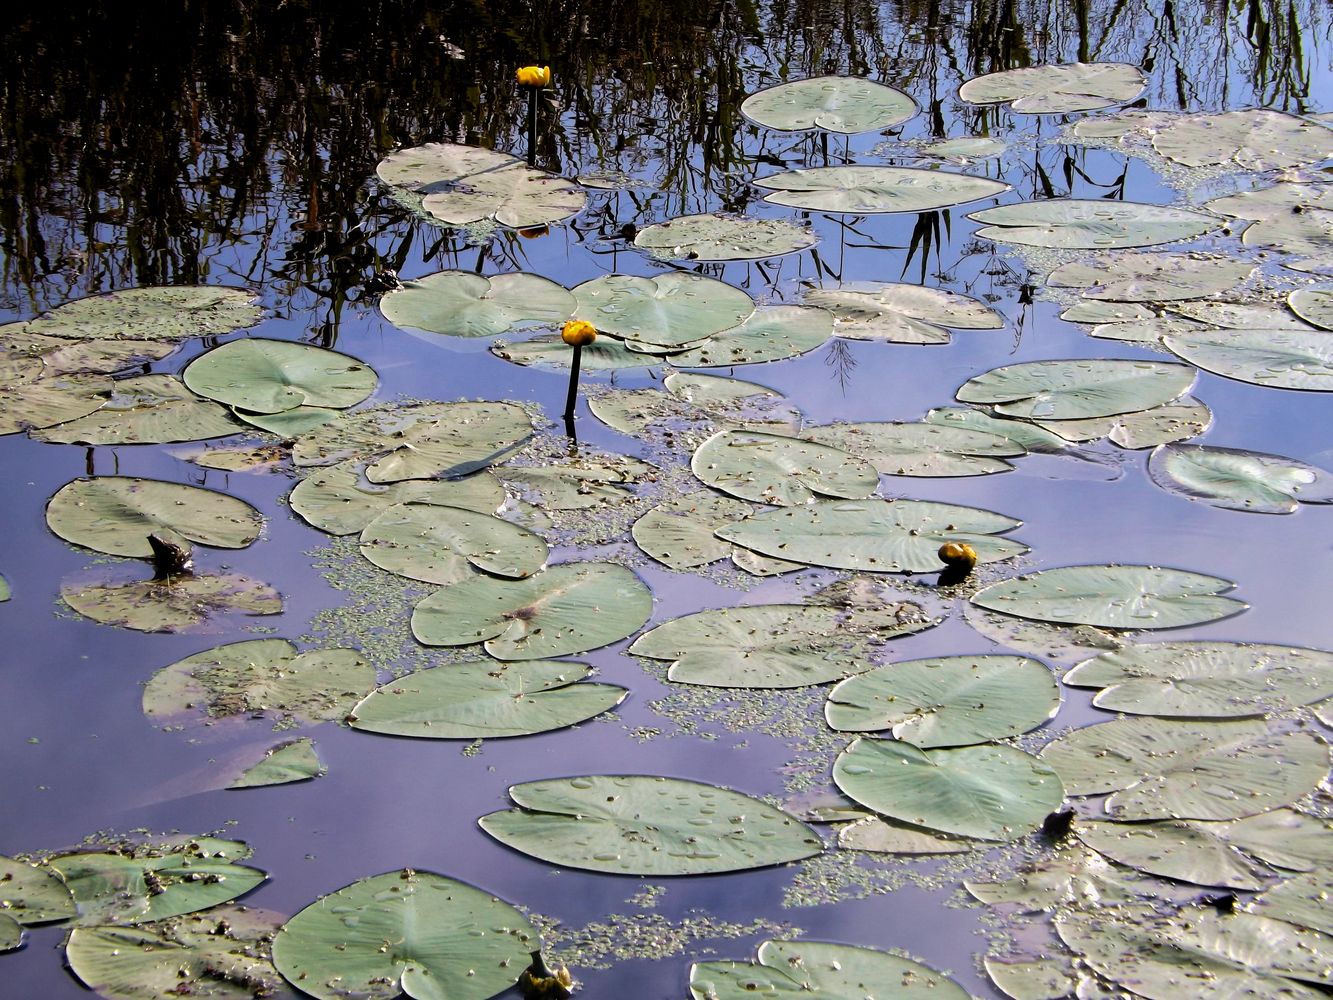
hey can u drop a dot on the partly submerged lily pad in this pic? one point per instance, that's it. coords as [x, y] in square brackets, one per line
[1179, 420]
[877, 835]
[670, 310]
[1302, 901]
[842, 104]
[771, 333]
[584, 482]
[1282, 359]
[1187, 852]
[464, 304]
[1093, 224]
[679, 533]
[51, 400]
[444, 545]
[775, 469]
[1256, 139]
[921, 449]
[294, 760]
[162, 313]
[272, 376]
[468, 438]
[334, 500]
[1238, 479]
[604, 354]
[648, 825]
[30, 894]
[1077, 389]
[1057, 90]
[147, 409]
[902, 313]
[724, 237]
[171, 605]
[435, 165]
[1074, 876]
[1033, 979]
[1314, 305]
[513, 195]
[866, 190]
[1151, 277]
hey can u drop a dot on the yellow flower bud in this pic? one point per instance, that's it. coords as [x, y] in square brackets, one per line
[958, 555]
[577, 333]
[534, 76]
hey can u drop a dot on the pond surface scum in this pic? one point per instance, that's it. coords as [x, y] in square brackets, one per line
[337, 664]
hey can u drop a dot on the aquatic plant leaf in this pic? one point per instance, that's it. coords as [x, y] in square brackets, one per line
[1314, 305]
[58, 356]
[1055, 90]
[440, 544]
[1092, 224]
[775, 469]
[464, 304]
[1238, 315]
[334, 500]
[569, 608]
[147, 409]
[1283, 838]
[5, 592]
[679, 532]
[965, 149]
[1238, 479]
[221, 953]
[1180, 420]
[948, 700]
[472, 437]
[771, 333]
[1074, 876]
[843, 104]
[435, 165]
[1282, 359]
[1023, 434]
[450, 941]
[901, 313]
[989, 792]
[136, 888]
[11, 933]
[379, 429]
[1187, 852]
[116, 514]
[1302, 901]
[271, 376]
[816, 969]
[865, 190]
[1255, 138]
[920, 449]
[588, 481]
[1275, 201]
[648, 825]
[670, 310]
[1106, 312]
[604, 354]
[877, 835]
[165, 313]
[30, 894]
[51, 400]
[1214, 680]
[482, 699]
[723, 237]
[1050, 642]
[1034, 979]
[1169, 769]
[288, 424]
[172, 605]
[1078, 388]
[877, 536]
[1151, 277]
[1307, 234]
[267, 676]
[1146, 331]
[757, 565]
[514, 195]
[1128, 597]
[283, 764]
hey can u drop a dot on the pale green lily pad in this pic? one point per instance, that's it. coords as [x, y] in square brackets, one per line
[1146, 331]
[1074, 876]
[902, 313]
[283, 764]
[647, 825]
[772, 333]
[679, 532]
[714, 390]
[1238, 315]
[843, 104]
[1283, 838]
[865, 190]
[1051, 642]
[482, 699]
[334, 500]
[271, 376]
[220, 954]
[5, 592]
[147, 409]
[921, 449]
[1126, 597]
[569, 608]
[989, 792]
[1169, 769]
[965, 149]
[435, 165]
[440, 544]
[379, 429]
[1180, 420]
[675, 309]
[1256, 139]
[151, 313]
[724, 237]
[1151, 277]
[1032, 979]
[604, 354]
[116, 514]
[1078, 388]
[464, 304]
[1302, 901]
[51, 400]
[877, 835]
[59, 356]
[947, 701]
[1057, 90]
[775, 469]
[448, 940]
[11, 933]
[1238, 479]
[1282, 359]
[1275, 201]
[1074, 224]
[1020, 432]
[819, 970]
[877, 536]
[288, 424]
[1103, 311]
[174, 605]
[757, 565]
[1314, 305]
[474, 436]
[1186, 852]
[30, 894]
[267, 676]
[1305, 234]
[585, 482]
[513, 195]
[1213, 680]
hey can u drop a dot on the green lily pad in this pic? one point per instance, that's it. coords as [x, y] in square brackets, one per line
[1106, 312]
[1282, 837]
[30, 894]
[1256, 139]
[116, 514]
[482, 699]
[448, 939]
[1061, 643]
[1128, 597]
[1314, 305]
[877, 835]
[1168, 769]
[1274, 201]
[648, 825]
[1074, 224]
[148, 409]
[1169, 423]
[513, 195]
[585, 482]
[334, 500]
[433, 166]
[902, 313]
[723, 237]
[1282, 359]
[1146, 331]
[11, 933]
[5, 592]
[878, 536]
[604, 354]
[757, 565]
[947, 701]
[569, 608]
[816, 969]
[1302, 901]
[283, 764]
[259, 676]
[444, 545]
[965, 149]
[464, 304]
[863, 190]
[1057, 90]
[51, 400]
[1073, 876]
[1214, 680]
[989, 792]
[374, 431]
[288, 424]
[679, 533]
[670, 310]
[1307, 233]
[921, 449]
[1238, 479]
[238, 458]
[475, 437]
[271, 376]
[151, 313]
[774, 469]
[1077, 389]
[1186, 852]
[1034, 979]
[173, 605]
[1020, 432]
[771, 333]
[1151, 277]
[58, 356]
[843, 104]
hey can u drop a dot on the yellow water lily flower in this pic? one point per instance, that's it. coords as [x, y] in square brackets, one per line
[577, 333]
[534, 76]
[958, 555]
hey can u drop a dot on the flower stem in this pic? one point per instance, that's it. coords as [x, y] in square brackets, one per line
[532, 126]
[573, 396]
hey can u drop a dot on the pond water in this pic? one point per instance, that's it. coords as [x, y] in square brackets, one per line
[225, 144]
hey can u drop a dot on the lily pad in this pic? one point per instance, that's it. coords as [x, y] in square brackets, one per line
[771, 333]
[1238, 479]
[374, 431]
[116, 514]
[1282, 837]
[647, 825]
[464, 304]
[988, 792]
[1052, 642]
[435, 165]
[1057, 90]
[449, 939]
[1186, 852]
[51, 400]
[443, 545]
[58, 356]
[482, 699]
[1302, 901]
[902, 313]
[1077, 389]
[878, 536]
[757, 565]
[843, 104]
[604, 354]
[173, 605]
[724, 237]
[1169, 423]
[1073, 876]
[475, 437]
[586, 482]
[1281, 359]
[1074, 224]
[334, 500]
[921, 449]
[877, 835]
[569, 608]
[679, 533]
[965, 149]
[1274, 201]
[1020, 432]
[30, 894]
[1034, 979]
[513, 195]
[1307, 234]
[151, 313]
[272, 376]
[1314, 305]
[1256, 139]
[670, 310]
[148, 409]
[816, 969]
[865, 190]
[947, 701]
[11, 933]
[775, 469]
[1151, 277]
[283, 764]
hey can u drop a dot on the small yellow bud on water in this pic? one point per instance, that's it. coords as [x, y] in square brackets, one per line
[958, 555]
[534, 76]
[577, 333]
